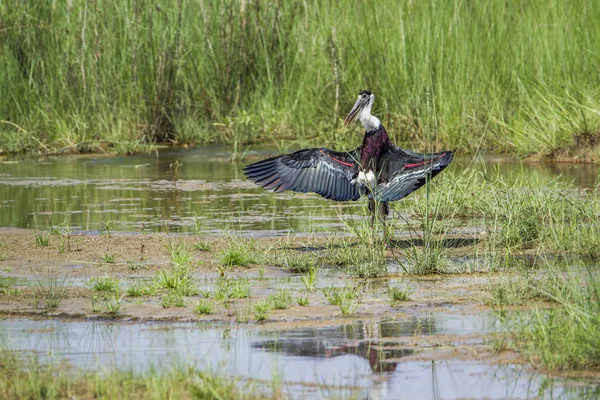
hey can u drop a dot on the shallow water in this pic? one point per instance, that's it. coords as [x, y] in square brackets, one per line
[144, 192]
[363, 358]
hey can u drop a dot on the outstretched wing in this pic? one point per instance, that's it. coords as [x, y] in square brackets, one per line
[322, 171]
[409, 171]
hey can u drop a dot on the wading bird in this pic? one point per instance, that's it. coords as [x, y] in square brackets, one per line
[378, 168]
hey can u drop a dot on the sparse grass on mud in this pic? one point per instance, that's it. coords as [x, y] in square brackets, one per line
[508, 76]
[240, 252]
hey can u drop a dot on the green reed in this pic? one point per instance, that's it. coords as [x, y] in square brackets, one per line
[515, 76]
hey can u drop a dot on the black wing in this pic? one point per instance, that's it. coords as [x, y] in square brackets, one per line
[409, 171]
[322, 171]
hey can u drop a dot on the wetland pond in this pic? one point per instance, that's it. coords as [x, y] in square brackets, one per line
[150, 193]
[435, 346]
[363, 359]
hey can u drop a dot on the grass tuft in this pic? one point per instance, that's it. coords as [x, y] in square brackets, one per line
[51, 291]
[281, 299]
[203, 307]
[228, 288]
[6, 282]
[398, 294]
[109, 258]
[105, 284]
[262, 309]
[41, 240]
[172, 299]
[302, 301]
[235, 256]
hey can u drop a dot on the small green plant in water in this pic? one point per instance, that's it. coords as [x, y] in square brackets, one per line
[520, 225]
[133, 266]
[172, 299]
[113, 303]
[96, 304]
[348, 307]
[514, 291]
[296, 262]
[108, 227]
[240, 252]
[51, 291]
[55, 230]
[174, 168]
[179, 255]
[203, 307]
[336, 296]
[236, 256]
[228, 288]
[310, 279]
[105, 284]
[302, 301]
[202, 246]
[262, 309]
[281, 299]
[62, 246]
[398, 294]
[6, 282]
[242, 313]
[41, 240]
[139, 289]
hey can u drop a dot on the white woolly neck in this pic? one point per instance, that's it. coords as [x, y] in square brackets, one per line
[370, 122]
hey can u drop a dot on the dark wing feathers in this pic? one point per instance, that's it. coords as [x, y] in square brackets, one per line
[326, 172]
[409, 171]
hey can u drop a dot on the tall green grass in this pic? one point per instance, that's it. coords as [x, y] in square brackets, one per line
[513, 76]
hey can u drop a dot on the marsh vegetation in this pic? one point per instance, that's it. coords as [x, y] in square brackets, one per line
[514, 76]
[518, 245]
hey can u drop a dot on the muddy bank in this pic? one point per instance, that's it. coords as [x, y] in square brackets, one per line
[137, 259]
[584, 149]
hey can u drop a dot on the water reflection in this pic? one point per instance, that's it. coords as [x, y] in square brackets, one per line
[364, 357]
[143, 192]
[382, 344]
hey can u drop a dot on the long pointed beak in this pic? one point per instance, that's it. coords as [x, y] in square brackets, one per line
[352, 114]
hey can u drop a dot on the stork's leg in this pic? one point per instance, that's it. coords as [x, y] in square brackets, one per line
[379, 211]
[373, 212]
[384, 210]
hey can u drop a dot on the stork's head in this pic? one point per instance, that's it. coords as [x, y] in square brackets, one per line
[363, 106]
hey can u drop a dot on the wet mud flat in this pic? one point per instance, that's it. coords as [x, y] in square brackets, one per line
[440, 337]
[138, 259]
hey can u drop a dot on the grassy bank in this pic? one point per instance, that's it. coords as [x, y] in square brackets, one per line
[518, 76]
[23, 378]
[563, 337]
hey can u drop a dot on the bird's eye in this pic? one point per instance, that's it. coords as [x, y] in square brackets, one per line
[364, 95]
